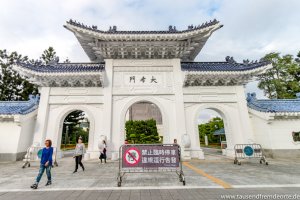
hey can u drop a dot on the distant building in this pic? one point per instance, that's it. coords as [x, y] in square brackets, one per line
[145, 111]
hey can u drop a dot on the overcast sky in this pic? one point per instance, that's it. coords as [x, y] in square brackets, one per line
[251, 29]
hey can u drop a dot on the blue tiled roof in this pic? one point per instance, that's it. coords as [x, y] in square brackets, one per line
[63, 67]
[221, 66]
[273, 105]
[115, 31]
[19, 107]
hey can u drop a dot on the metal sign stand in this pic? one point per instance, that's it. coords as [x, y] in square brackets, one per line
[244, 151]
[32, 154]
[134, 159]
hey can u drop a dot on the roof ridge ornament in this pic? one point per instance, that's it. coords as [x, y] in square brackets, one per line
[54, 61]
[36, 63]
[230, 60]
[172, 28]
[246, 62]
[112, 29]
[251, 96]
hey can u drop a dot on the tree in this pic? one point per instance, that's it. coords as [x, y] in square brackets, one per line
[209, 128]
[48, 55]
[73, 121]
[12, 86]
[298, 58]
[142, 132]
[75, 117]
[283, 80]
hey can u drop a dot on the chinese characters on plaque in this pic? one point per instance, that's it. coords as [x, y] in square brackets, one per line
[150, 156]
[141, 79]
[159, 156]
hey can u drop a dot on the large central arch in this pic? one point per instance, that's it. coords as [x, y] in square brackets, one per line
[143, 99]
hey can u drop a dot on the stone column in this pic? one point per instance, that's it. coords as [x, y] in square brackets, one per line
[42, 117]
[247, 130]
[181, 135]
[107, 102]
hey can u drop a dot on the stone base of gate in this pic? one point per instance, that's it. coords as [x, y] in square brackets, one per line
[91, 155]
[59, 154]
[229, 153]
[190, 153]
[87, 156]
[115, 156]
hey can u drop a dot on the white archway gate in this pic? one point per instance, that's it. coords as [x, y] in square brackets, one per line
[160, 82]
[162, 71]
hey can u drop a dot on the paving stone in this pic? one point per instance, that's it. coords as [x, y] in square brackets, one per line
[99, 181]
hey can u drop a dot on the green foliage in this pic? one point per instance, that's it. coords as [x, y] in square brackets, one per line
[296, 136]
[283, 80]
[12, 86]
[142, 132]
[48, 55]
[209, 128]
[74, 117]
[73, 121]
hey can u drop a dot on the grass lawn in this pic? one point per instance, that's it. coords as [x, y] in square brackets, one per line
[70, 147]
[212, 145]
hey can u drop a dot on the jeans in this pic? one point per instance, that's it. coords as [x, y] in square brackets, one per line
[41, 172]
[78, 161]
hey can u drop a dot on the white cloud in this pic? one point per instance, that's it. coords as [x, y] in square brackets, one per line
[254, 28]
[206, 115]
[251, 29]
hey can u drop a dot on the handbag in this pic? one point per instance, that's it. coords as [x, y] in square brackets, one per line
[102, 156]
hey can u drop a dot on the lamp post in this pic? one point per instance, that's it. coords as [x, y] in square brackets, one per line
[66, 135]
[88, 131]
[67, 132]
[220, 136]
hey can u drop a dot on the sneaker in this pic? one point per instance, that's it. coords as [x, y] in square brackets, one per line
[74, 171]
[48, 183]
[34, 186]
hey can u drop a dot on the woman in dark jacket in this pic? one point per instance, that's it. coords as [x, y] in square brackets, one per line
[102, 148]
[45, 164]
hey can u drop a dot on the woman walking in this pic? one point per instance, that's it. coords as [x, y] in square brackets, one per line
[102, 148]
[45, 164]
[79, 151]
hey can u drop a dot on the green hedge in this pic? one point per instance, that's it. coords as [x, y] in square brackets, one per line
[142, 132]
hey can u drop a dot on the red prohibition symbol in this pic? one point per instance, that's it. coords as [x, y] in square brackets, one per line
[132, 156]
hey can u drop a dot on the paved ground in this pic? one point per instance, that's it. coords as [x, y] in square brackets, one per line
[157, 194]
[204, 179]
